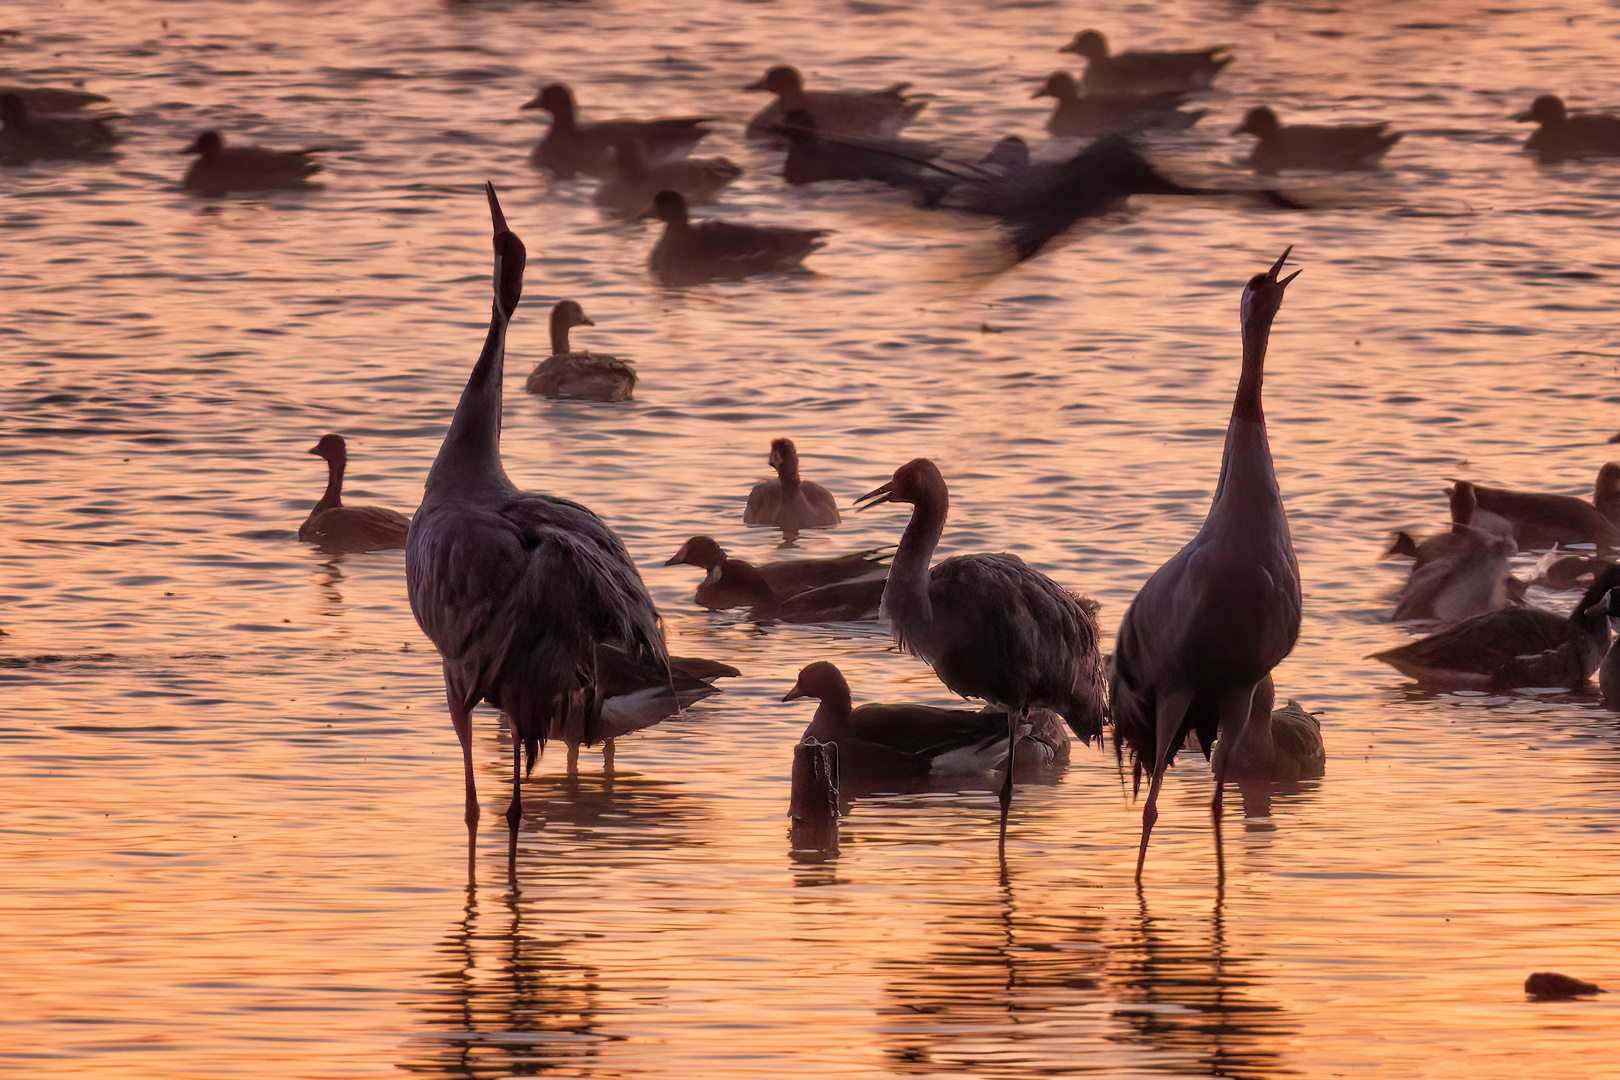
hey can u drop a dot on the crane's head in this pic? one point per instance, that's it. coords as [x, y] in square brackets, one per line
[916, 481]
[509, 259]
[821, 681]
[1262, 296]
[699, 551]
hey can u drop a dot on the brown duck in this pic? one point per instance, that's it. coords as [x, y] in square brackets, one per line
[586, 376]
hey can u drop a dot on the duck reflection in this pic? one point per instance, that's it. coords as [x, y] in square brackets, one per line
[505, 1002]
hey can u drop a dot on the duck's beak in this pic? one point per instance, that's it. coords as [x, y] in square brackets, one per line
[795, 693]
[680, 556]
[533, 103]
[757, 84]
[316, 450]
[872, 498]
[1042, 92]
[1523, 118]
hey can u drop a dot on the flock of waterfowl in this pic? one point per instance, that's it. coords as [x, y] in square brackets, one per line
[538, 610]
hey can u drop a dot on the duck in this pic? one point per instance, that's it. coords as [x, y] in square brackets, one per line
[637, 695]
[1513, 647]
[1562, 137]
[738, 583]
[219, 169]
[1101, 114]
[634, 182]
[1463, 573]
[336, 527]
[1609, 666]
[789, 502]
[911, 743]
[1544, 521]
[44, 100]
[1145, 72]
[572, 147]
[694, 253]
[26, 137]
[585, 376]
[844, 112]
[813, 157]
[1282, 745]
[1313, 146]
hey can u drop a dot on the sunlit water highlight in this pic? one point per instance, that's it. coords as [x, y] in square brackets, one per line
[231, 797]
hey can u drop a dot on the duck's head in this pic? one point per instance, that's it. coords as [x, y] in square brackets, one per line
[331, 447]
[915, 481]
[670, 207]
[1608, 482]
[1260, 121]
[1546, 109]
[209, 142]
[554, 98]
[1089, 44]
[698, 551]
[782, 80]
[568, 313]
[784, 455]
[1060, 85]
[821, 681]
[1010, 153]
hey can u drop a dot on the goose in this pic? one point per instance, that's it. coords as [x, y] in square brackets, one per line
[631, 187]
[1562, 137]
[1102, 114]
[1514, 647]
[911, 743]
[25, 137]
[1277, 745]
[1609, 666]
[694, 253]
[586, 376]
[220, 169]
[637, 695]
[336, 527]
[990, 626]
[1544, 521]
[44, 100]
[1313, 146]
[572, 147]
[1209, 625]
[1145, 72]
[789, 502]
[844, 112]
[1463, 573]
[737, 583]
[524, 595]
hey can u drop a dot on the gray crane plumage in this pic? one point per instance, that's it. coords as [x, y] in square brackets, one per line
[521, 593]
[1211, 623]
[990, 626]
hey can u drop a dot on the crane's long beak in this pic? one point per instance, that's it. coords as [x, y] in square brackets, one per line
[886, 492]
[1275, 270]
[500, 219]
[795, 693]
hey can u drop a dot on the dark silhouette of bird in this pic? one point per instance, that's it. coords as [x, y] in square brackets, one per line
[220, 169]
[1209, 625]
[336, 527]
[883, 746]
[844, 112]
[26, 137]
[1609, 666]
[585, 376]
[572, 147]
[1276, 745]
[1145, 72]
[1106, 113]
[1544, 521]
[1462, 573]
[1514, 647]
[632, 185]
[789, 502]
[989, 626]
[813, 157]
[1563, 137]
[1313, 146]
[527, 597]
[691, 253]
[738, 583]
[46, 100]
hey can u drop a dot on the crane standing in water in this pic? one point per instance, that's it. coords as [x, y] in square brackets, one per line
[1211, 623]
[526, 596]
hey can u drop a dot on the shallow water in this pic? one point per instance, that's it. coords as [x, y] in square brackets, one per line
[230, 794]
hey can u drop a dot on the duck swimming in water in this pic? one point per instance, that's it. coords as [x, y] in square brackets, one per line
[1145, 72]
[692, 253]
[1563, 137]
[220, 169]
[1104, 113]
[572, 147]
[25, 137]
[336, 527]
[45, 100]
[1313, 146]
[836, 112]
[737, 583]
[1543, 521]
[631, 189]
[1463, 573]
[584, 376]
[789, 502]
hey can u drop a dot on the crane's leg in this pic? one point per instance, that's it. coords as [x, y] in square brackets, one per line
[514, 812]
[1234, 717]
[461, 719]
[1014, 718]
[1172, 708]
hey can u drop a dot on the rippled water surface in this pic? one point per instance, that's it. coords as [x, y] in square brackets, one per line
[230, 797]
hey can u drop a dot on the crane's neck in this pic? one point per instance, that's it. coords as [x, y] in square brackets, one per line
[334, 485]
[470, 459]
[906, 603]
[1248, 477]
